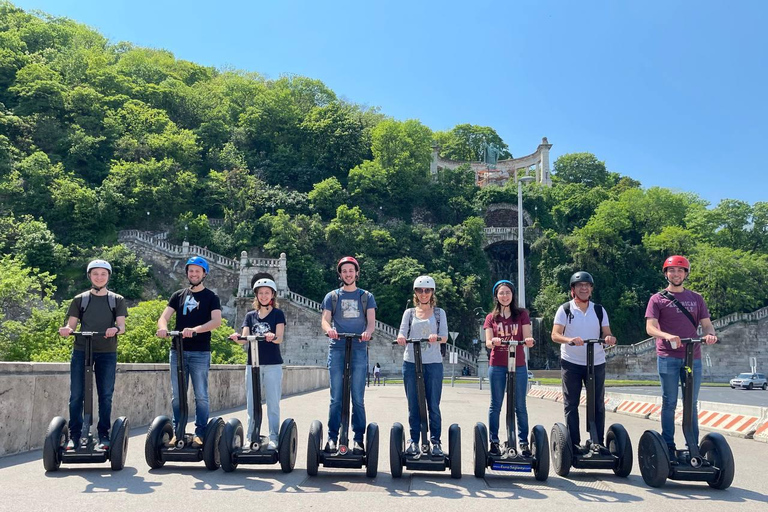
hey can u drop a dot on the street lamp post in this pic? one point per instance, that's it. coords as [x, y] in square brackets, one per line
[520, 257]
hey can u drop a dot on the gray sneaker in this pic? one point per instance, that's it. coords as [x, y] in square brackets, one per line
[357, 448]
[330, 446]
[525, 450]
[437, 450]
[413, 448]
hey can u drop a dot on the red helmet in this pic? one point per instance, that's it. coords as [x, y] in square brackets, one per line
[677, 261]
[347, 259]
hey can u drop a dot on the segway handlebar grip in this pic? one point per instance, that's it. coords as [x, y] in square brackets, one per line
[593, 341]
[88, 333]
[252, 337]
[693, 340]
[513, 343]
[178, 333]
[353, 335]
[413, 341]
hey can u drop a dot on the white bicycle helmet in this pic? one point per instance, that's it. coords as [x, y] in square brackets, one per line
[424, 282]
[98, 264]
[264, 282]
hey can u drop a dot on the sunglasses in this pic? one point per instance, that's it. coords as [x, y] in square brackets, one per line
[422, 290]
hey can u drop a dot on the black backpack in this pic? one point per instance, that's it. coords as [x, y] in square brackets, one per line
[598, 311]
[85, 299]
[335, 300]
[412, 311]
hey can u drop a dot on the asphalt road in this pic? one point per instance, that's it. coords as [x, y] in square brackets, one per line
[725, 395]
[26, 486]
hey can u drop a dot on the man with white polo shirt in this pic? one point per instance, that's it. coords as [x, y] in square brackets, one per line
[575, 321]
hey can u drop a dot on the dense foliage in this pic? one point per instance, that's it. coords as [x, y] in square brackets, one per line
[96, 137]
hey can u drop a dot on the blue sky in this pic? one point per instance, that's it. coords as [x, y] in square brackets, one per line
[670, 93]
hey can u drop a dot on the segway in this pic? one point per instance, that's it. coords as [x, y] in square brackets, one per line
[616, 454]
[424, 460]
[343, 457]
[511, 458]
[157, 447]
[87, 450]
[711, 462]
[231, 448]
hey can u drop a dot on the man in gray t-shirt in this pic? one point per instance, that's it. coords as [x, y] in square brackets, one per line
[348, 310]
[97, 310]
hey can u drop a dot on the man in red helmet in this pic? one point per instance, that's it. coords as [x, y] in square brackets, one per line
[675, 313]
[348, 309]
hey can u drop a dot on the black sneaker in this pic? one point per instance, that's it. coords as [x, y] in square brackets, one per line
[103, 443]
[413, 449]
[357, 448]
[672, 455]
[437, 450]
[495, 450]
[330, 446]
[525, 450]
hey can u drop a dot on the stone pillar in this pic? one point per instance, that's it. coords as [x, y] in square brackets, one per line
[282, 275]
[243, 285]
[184, 247]
[433, 162]
[545, 146]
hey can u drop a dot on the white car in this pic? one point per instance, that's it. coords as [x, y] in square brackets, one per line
[749, 381]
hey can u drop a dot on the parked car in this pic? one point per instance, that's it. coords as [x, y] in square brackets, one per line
[530, 375]
[749, 381]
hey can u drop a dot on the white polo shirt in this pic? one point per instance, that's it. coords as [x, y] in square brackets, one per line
[585, 326]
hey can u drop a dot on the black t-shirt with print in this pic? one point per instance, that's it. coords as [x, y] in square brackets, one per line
[193, 309]
[269, 353]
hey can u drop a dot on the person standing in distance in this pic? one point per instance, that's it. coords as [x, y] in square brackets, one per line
[198, 312]
[97, 310]
[575, 321]
[348, 309]
[675, 313]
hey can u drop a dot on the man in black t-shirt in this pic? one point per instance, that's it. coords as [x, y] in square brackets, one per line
[97, 310]
[198, 312]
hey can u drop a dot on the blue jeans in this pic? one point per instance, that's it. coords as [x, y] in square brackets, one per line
[670, 376]
[359, 371]
[196, 366]
[105, 368]
[272, 377]
[497, 376]
[433, 387]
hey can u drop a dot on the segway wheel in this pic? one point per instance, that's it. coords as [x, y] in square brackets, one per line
[454, 450]
[55, 440]
[396, 449]
[211, 454]
[481, 450]
[287, 443]
[653, 457]
[562, 456]
[159, 434]
[372, 450]
[118, 444]
[230, 442]
[620, 445]
[313, 447]
[540, 446]
[715, 449]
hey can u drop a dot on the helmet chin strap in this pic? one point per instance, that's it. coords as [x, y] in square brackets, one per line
[97, 288]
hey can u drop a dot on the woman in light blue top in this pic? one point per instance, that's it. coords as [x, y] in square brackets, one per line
[424, 321]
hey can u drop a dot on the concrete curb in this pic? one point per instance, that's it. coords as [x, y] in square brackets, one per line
[744, 421]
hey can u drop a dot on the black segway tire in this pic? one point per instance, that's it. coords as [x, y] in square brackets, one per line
[481, 450]
[372, 450]
[55, 441]
[620, 445]
[561, 449]
[715, 449]
[211, 454]
[653, 458]
[287, 444]
[540, 447]
[454, 450]
[313, 447]
[118, 443]
[159, 434]
[396, 449]
[230, 441]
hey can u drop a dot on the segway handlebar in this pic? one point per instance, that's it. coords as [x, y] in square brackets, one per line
[252, 337]
[179, 333]
[413, 341]
[353, 335]
[692, 340]
[512, 343]
[88, 333]
[593, 341]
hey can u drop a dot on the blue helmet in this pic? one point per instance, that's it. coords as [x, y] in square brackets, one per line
[197, 260]
[506, 282]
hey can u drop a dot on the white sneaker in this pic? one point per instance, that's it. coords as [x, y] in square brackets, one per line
[272, 445]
